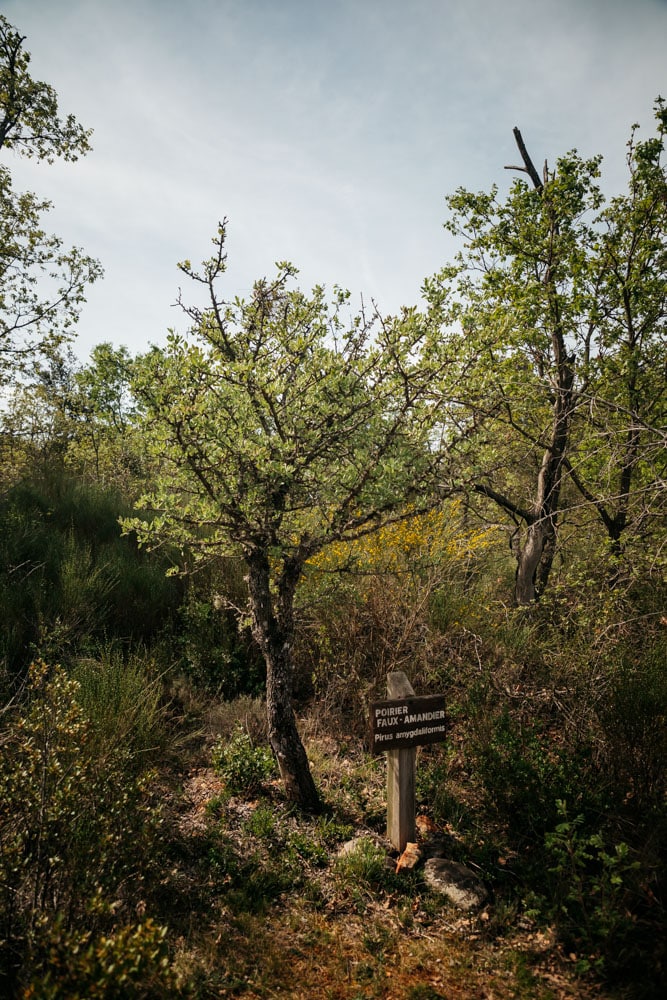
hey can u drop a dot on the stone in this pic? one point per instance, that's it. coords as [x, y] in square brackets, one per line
[358, 843]
[460, 885]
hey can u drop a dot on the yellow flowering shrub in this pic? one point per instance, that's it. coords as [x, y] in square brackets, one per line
[436, 538]
[388, 601]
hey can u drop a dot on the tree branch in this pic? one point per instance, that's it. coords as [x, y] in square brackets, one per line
[504, 502]
[529, 166]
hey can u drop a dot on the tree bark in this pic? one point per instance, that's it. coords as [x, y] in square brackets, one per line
[274, 632]
[528, 556]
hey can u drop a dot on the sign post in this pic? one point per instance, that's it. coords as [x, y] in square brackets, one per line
[400, 776]
[398, 726]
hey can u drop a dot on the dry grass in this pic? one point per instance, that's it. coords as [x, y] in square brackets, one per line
[345, 958]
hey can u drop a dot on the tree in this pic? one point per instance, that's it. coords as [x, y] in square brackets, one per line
[555, 309]
[619, 464]
[280, 429]
[79, 417]
[38, 424]
[105, 414]
[41, 284]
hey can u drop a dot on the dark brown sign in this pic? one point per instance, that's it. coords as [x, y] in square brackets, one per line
[407, 722]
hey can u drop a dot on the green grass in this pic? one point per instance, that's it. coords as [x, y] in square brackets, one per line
[122, 698]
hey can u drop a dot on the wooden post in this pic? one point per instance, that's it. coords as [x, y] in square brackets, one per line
[400, 776]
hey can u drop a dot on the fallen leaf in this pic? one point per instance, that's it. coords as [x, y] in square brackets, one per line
[425, 826]
[409, 858]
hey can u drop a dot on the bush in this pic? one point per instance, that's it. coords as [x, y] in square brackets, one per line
[68, 579]
[595, 888]
[244, 767]
[130, 963]
[214, 653]
[121, 697]
[632, 716]
[386, 602]
[576, 714]
[366, 865]
[76, 823]
[524, 770]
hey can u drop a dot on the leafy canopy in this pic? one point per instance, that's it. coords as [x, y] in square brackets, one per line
[285, 423]
[554, 312]
[41, 284]
[29, 122]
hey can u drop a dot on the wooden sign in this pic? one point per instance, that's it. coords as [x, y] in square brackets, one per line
[407, 722]
[398, 725]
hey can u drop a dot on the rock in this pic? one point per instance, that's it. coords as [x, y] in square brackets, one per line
[456, 882]
[358, 843]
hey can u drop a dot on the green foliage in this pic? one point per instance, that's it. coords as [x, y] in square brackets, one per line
[122, 698]
[280, 427]
[295, 451]
[244, 767]
[366, 872]
[365, 865]
[633, 715]
[524, 771]
[215, 653]
[29, 121]
[553, 318]
[99, 417]
[267, 869]
[261, 822]
[102, 394]
[75, 821]
[593, 885]
[386, 602]
[287, 845]
[435, 791]
[34, 320]
[283, 424]
[80, 418]
[131, 963]
[68, 579]
[331, 831]
[566, 702]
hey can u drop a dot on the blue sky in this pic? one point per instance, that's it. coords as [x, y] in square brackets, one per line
[328, 131]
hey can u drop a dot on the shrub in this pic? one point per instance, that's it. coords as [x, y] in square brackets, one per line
[130, 963]
[524, 770]
[594, 890]
[122, 700]
[243, 766]
[75, 824]
[632, 715]
[383, 603]
[67, 577]
[215, 654]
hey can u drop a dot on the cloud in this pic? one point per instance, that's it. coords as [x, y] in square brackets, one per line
[328, 133]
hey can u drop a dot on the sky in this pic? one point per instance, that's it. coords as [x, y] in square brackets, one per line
[328, 132]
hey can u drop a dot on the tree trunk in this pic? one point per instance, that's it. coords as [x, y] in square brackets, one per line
[528, 558]
[274, 634]
[534, 558]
